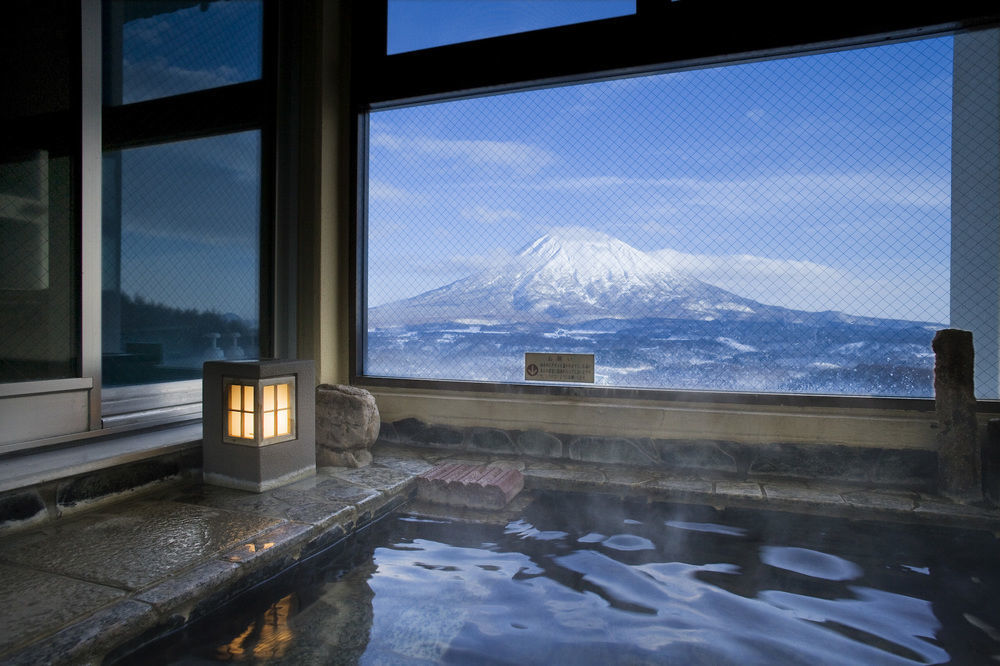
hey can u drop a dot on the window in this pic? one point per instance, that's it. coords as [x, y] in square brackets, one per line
[421, 24]
[39, 186]
[155, 50]
[780, 226]
[182, 188]
[182, 263]
[121, 275]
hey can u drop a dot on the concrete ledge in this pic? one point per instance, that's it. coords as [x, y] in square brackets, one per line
[99, 450]
[876, 423]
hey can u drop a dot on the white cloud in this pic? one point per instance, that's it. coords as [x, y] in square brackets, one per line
[754, 195]
[379, 190]
[762, 194]
[149, 79]
[591, 183]
[905, 292]
[149, 31]
[485, 215]
[522, 157]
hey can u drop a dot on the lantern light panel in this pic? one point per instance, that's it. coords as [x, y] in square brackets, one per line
[259, 408]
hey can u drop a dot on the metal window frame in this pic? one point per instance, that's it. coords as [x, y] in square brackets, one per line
[663, 35]
[73, 401]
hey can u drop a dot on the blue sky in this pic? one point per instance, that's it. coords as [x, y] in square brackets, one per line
[420, 24]
[191, 209]
[817, 182]
[191, 49]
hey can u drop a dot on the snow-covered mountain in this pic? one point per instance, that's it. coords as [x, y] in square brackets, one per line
[573, 275]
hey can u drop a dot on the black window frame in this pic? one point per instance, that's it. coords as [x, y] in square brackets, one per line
[662, 35]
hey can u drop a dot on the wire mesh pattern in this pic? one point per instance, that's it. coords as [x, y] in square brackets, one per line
[38, 287]
[181, 259]
[176, 46]
[778, 226]
[421, 24]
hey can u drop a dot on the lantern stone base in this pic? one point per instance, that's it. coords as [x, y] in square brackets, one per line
[257, 470]
[257, 465]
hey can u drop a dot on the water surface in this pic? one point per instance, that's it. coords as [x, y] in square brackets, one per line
[596, 580]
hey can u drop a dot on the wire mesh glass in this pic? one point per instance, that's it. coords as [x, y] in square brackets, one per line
[777, 226]
[39, 217]
[39, 288]
[181, 258]
[421, 24]
[169, 47]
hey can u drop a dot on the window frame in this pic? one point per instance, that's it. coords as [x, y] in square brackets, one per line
[200, 114]
[662, 36]
[70, 403]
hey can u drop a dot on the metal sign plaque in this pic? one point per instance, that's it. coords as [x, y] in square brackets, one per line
[559, 367]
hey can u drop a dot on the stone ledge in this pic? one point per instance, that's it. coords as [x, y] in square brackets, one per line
[908, 468]
[821, 497]
[328, 507]
[339, 501]
[33, 505]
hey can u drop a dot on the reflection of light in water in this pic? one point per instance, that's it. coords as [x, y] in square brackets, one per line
[592, 537]
[628, 542]
[268, 637]
[710, 528]
[233, 651]
[525, 530]
[810, 562]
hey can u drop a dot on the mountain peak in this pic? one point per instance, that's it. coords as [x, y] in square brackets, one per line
[575, 274]
[574, 234]
[586, 256]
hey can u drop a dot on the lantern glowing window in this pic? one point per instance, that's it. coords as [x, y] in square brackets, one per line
[259, 411]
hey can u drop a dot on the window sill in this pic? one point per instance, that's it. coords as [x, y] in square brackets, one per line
[856, 422]
[95, 451]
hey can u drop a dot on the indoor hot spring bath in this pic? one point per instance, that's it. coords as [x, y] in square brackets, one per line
[560, 578]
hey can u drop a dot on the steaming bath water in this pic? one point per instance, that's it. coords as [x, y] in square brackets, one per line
[595, 580]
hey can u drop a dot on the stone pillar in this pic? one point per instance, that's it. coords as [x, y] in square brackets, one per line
[959, 461]
[975, 200]
[991, 463]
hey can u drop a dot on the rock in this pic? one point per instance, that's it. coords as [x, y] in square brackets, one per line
[347, 424]
[959, 462]
[539, 444]
[614, 450]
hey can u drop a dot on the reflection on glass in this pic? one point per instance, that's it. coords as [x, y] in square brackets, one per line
[422, 24]
[37, 277]
[181, 257]
[156, 49]
[39, 229]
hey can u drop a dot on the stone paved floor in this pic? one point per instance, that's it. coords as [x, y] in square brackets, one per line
[75, 589]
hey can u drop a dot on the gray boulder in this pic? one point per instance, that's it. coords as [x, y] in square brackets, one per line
[347, 424]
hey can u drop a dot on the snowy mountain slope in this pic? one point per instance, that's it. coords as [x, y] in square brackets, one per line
[574, 275]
